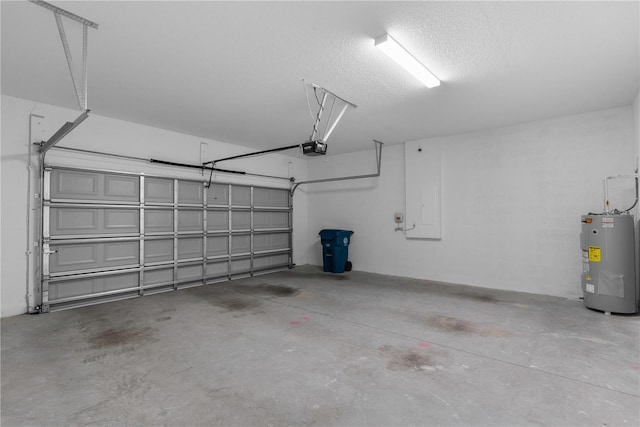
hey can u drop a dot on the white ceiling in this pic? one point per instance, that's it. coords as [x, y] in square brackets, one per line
[232, 71]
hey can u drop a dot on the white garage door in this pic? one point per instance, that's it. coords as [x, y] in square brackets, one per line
[110, 236]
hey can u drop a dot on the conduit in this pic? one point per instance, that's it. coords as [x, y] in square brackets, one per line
[378, 146]
[606, 192]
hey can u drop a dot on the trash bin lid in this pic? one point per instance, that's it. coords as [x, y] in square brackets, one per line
[330, 233]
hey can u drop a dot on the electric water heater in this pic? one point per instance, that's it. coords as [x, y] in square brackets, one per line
[609, 263]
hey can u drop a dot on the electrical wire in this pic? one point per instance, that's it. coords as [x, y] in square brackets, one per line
[636, 202]
[617, 211]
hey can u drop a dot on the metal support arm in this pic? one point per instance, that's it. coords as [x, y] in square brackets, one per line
[79, 86]
[62, 132]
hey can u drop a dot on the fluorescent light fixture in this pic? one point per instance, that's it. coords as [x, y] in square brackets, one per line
[406, 60]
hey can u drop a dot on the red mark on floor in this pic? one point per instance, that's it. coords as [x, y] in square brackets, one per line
[307, 318]
[635, 367]
[295, 322]
[424, 344]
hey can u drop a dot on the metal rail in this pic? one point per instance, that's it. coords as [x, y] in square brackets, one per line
[63, 12]
[256, 153]
[378, 146]
[167, 163]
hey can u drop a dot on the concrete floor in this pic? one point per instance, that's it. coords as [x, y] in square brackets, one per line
[304, 347]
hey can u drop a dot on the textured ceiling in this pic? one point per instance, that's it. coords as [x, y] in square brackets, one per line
[232, 71]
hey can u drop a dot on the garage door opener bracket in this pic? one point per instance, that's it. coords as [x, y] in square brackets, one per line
[79, 86]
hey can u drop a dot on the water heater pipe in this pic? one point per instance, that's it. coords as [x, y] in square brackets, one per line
[606, 191]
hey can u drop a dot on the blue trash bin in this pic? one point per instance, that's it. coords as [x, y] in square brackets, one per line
[335, 250]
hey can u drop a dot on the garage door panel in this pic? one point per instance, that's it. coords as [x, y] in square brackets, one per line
[73, 221]
[91, 286]
[121, 253]
[217, 245]
[190, 220]
[158, 190]
[75, 185]
[189, 272]
[270, 197]
[190, 248]
[121, 188]
[218, 195]
[190, 192]
[158, 250]
[272, 261]
[88, 221]
[240, 244]
[73, 257]
[121, 221]
[189, 234]
[240, 196]
[217, 220]
[240, 220]
[98, 256]
[94, 186]
[271, 220]
[152, 277]
[267, 242]
[158, 221]
[240, 266]
[217, 269]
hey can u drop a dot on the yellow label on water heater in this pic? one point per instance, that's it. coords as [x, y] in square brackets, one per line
[594, 253]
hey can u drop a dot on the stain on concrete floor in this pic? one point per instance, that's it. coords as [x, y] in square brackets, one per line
[408, 359]
[239, 298]
[225, 298]
[236, 303]
[269, 289]
[120, 336]
[455, 325]
[319, 275]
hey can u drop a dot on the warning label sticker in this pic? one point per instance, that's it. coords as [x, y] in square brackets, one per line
[590, 288]
[607, 222]
[594, 253]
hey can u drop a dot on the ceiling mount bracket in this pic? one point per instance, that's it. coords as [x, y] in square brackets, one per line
[79, 86]
[327, 96]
